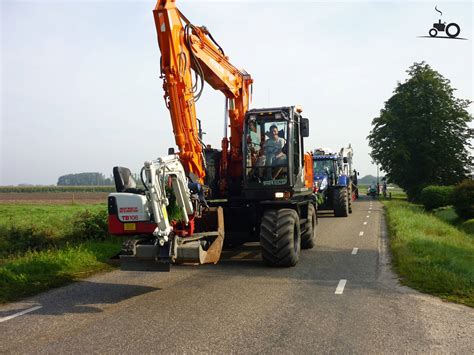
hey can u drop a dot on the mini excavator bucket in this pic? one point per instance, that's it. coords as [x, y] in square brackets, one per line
[205, 245]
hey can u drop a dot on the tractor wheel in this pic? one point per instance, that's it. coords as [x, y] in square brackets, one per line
[453, 34]
[309, 235]
[280, 239]
[349, 193]
[341, 203]
[433, 32]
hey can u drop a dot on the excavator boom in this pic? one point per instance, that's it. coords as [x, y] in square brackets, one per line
[184, 47]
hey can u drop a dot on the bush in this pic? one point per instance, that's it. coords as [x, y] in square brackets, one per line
[89, 225]
[463, 199]
[18, 239]
[468, 226]
[436, 196]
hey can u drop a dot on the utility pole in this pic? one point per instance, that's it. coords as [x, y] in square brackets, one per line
[378, 184]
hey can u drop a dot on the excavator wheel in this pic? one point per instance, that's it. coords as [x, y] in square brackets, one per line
[341, 203]
[280, 238]
[309, 235]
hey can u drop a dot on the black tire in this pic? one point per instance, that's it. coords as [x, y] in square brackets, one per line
[341, 203]
[453, 35]
[350, 199]
[433, 32]
[280, 238]
[308, 237]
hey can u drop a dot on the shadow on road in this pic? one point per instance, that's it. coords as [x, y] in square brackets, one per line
[86, 297]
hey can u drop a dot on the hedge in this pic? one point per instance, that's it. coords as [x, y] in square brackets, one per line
[436, 196]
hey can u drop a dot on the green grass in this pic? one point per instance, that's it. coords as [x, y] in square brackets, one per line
[449, 215]
[429, 254]
[39, 271]
[396, 192]
[50, 245]
[55, 215]
[33, 228]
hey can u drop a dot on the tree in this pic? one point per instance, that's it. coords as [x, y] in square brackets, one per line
[422, 136]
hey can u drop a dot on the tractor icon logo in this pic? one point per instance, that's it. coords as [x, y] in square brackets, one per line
[452, 29]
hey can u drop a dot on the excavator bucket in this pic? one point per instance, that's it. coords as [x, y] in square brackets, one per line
[205, 245]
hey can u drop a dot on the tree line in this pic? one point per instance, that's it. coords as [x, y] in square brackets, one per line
[85, 179]
[90, 179]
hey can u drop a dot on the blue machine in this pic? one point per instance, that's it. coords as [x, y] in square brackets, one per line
[332, 180]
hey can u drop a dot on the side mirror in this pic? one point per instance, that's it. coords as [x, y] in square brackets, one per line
[304, 127]
[170, 151]
[344, 160]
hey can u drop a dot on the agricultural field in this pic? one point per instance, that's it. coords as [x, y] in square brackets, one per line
[49, 239]
[54, 195]
[54, 188]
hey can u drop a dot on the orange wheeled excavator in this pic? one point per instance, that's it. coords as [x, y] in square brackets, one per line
[259, 183]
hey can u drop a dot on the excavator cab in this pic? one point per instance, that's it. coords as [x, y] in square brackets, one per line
[273, 151]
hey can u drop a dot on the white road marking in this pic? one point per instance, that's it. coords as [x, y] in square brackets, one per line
[354, 251]
[4, 319]
[340, 287]
[367, 216]
[370, 212]
[361, 234]
[370, 207]
[365, 223]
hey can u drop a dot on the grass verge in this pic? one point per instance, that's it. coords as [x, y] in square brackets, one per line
[46, 246]
[34, 272]
[429, 254]
[27, 227]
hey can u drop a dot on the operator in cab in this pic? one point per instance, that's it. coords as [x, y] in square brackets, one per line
[273, 149]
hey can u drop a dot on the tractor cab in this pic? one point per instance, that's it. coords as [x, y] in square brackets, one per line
[325, 165]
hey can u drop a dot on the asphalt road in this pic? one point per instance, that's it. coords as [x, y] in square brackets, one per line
[241, 306]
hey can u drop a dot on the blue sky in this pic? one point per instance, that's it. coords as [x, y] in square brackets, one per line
[80, 87]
